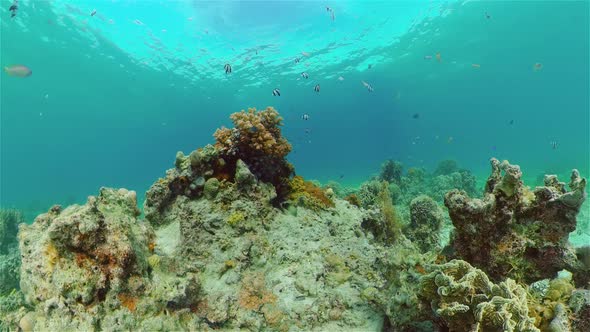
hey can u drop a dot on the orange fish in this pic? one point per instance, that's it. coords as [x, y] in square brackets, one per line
[438, 57]
[475, 65]
[18, 71]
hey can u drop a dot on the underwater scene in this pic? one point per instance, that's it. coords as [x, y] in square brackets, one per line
[294, 165]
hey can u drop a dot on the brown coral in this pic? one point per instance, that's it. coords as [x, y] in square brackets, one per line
[256, 139]
[308, 194]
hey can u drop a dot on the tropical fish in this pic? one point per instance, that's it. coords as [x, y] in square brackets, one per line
[475, 65]
[18, 70]
[438, 57]
[13, 8]
[276, 92]
[553, 144]
[305, 116]
[305, 75]
[488, 15]
[416, 116]
[297, 60]
[331, 11]
[138, 22]
[368, 86]
[227, 68]
[93, 12]
[316, 88]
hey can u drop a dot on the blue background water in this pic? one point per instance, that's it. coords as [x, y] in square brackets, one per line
[112, 99]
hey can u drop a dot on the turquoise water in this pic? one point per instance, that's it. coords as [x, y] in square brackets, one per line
[113, 96]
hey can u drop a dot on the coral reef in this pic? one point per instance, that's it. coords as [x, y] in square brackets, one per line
[256, 139]
[462, 298]
[9, 253]
[426, 219]
[513, 231]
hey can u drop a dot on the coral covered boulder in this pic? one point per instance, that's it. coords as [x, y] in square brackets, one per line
[426, 219]
[256, 139]
[513, 231]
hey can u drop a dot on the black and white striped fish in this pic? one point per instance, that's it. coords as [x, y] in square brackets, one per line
[305, 75]
[227, 68]
[276, 92]
[368, 86]
[316, 88]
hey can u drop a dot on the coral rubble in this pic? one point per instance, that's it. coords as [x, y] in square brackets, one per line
[513, 231]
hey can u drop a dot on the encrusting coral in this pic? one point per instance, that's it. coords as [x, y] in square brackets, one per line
[513, 231]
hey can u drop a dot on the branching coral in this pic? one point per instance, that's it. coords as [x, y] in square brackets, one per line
[307, 194]
[463, 299]
[256, 139]
[514, 231]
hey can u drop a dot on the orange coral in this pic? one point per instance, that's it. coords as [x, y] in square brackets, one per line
[309, 194]
[256, 139]
[253, 293]
[254, 131]
[128, 301]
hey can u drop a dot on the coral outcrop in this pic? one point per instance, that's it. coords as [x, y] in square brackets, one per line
[513, 231]
[256, 139]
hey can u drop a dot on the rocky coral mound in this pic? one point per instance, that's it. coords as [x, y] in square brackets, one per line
[256, 140]
[513, 231]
